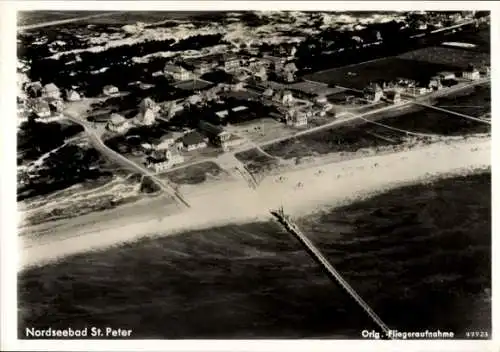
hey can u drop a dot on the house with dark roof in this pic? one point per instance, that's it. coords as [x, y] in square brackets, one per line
[230, 62]
[177, 72]
[193, 141]
[51, 90]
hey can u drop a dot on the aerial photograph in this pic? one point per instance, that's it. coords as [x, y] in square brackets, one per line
[254, 175]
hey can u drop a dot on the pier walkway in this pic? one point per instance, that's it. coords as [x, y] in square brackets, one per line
[291, 227]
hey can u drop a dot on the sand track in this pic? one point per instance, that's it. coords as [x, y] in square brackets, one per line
[336, 184]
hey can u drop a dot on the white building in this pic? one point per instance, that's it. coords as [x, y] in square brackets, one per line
[51, 91]
[110, 90]
[164, 160]
[284, 97]
[471, 73]
[73, 95]
[117, 123]
[41, 109]
[178, 73]
[374, 93]
[446, 75]
[166, 142]
[296, 118]
[193, 141]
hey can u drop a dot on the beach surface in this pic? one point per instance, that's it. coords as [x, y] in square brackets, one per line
[300, 192]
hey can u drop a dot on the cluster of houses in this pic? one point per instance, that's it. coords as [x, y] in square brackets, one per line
[391, 90]
[167, 153]
[44, 102]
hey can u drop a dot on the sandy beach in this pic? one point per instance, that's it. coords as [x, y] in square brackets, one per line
[321, 186]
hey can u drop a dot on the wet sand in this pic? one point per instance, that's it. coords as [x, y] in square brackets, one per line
[329, 185]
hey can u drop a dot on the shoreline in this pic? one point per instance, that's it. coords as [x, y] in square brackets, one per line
[338, 184]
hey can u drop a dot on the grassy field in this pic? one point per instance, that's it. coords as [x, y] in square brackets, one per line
[362, 135]
[475, 101]
[359, 76]
[482, 40]
[446, 56]
[430, 121]
[256, 162]
[336, 140]
[196, 174]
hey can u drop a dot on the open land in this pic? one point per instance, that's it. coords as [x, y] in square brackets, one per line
[475, 101]
[236, 202]
[453, 58]
[359, 76]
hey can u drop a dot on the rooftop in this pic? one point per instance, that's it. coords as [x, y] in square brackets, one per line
[117, 119]
[193, 138]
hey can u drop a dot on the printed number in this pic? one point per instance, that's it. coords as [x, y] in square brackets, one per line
[476, 334]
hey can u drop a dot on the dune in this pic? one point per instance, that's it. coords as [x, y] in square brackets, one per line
[300, 192]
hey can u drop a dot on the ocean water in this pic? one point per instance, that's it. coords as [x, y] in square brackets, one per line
[419, 255]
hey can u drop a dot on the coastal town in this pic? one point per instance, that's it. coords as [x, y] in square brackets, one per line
[138, 124]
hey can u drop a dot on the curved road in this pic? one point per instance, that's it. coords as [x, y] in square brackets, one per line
[99, 145]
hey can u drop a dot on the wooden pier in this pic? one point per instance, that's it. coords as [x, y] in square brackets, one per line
[292, 228]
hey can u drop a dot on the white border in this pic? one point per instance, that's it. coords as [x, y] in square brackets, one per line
[8, 218]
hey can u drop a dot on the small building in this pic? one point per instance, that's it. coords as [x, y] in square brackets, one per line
[416, 91]
[146, 147]
[221, 115]
[55, 105]
[72, 95]
[117, 123]
[193, 141]
[164, 160]
[373, 93]
[177, 72]
[109, 90]
[41, 108]
[51, 91]
[445, 75]
[393, 96]
[471, 73]
[284, 97]
[296, 118]
[435, 83]
[34, 89]
[216, 134]
[268, 93]
[166, 142]
[485, 70]
[230, 62]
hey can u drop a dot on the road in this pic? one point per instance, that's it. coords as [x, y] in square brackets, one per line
[128, 164]
[68, 20]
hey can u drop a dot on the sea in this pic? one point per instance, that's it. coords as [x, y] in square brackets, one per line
[420, 256]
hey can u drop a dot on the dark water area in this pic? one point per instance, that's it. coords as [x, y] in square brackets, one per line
[419, 255]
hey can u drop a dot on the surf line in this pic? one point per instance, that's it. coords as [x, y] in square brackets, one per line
[292, 228]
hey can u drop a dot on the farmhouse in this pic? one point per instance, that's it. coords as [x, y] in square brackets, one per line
[177, 72]
[193, 141]
[110, 90]
[117, 123]
[51, 91]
